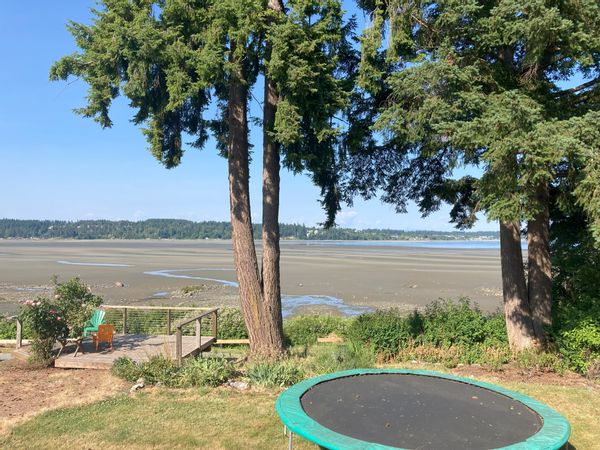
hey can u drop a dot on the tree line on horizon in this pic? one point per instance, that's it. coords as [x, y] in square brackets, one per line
[186, 229]
[396, 109]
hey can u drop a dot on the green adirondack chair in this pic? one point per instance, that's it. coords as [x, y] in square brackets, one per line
[91, 325]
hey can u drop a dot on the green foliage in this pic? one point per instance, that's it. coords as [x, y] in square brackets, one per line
[336, 357]
[205, 372]
[76, 303]
[448, 323]
[576, 332]
[185, 229]
[304, 330]
[385, 330]
[127, 369]
[8, 328]
[47, 325]
[275, 374]
[231, 324]
[192, 373]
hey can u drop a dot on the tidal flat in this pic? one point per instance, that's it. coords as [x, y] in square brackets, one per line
[316, 277]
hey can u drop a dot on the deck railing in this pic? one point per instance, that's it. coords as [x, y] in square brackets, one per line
[156, 320]
[197, 320]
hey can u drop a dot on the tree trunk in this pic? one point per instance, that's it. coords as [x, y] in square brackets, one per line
[270, 216]
[540, 266]
[519, 324]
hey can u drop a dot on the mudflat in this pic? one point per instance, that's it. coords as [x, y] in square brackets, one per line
[324, 277]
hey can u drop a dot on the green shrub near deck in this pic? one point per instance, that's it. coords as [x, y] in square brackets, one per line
[304, 330]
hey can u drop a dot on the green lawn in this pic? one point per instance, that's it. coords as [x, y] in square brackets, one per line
[223, 418]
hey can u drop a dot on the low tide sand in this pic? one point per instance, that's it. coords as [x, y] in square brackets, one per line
[381, 276]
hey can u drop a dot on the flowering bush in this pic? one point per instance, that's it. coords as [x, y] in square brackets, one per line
[59, 318]
[47, 325]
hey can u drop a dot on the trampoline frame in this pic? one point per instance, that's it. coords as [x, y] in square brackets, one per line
[553, 435]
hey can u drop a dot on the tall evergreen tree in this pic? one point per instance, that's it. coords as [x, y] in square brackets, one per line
[478, 82]
[173, 58]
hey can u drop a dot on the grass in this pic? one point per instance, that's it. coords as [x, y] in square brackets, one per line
[223, 418]
[210, 418]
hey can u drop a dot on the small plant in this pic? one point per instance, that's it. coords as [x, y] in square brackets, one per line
[205, 372]
[127, 369]
[304, 330]
[275, 374]
[446, 323]
[328, 359]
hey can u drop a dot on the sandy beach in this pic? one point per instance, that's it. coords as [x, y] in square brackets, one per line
[336, 278]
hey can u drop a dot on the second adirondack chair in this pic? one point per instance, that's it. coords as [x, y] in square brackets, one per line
[91, 325]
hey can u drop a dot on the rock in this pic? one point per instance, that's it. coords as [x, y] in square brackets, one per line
[300, 284]
[141, 381]
[119, 284]
[137, 387]
[240, 385]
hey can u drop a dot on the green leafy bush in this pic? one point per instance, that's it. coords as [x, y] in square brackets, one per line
[47, 326]
[332, 358]
[231, 324]
[385, 330]
[205, 372]
[159, 369]
[275, 374]
[76, 303]
[8, 328]
[576, 333]
[127, 369]
[304, 330]
[446, 323]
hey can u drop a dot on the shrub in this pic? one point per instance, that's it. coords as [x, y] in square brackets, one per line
[126, 368]
[576, 333]
[231, 324]
[328, 359]
[538, 361]
[46, 324]
[76, 303]
[8, 328]
[446, 323]
[385, 330]
[304, 330]
[205, 372]
[275, 374]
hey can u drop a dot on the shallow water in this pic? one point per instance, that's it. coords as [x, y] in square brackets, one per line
[168, 273]
[289, 303]
[73, 263]
[457, 244]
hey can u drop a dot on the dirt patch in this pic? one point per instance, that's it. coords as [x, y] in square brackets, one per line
[512, 374]
[25, 392]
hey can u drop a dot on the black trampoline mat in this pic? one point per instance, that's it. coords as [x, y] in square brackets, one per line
[419, 412]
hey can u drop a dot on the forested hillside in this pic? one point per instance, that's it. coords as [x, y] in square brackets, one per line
[185, 229]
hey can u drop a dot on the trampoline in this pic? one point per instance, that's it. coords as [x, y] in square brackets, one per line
[379, 409]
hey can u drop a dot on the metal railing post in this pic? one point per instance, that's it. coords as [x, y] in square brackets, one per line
[198, 333]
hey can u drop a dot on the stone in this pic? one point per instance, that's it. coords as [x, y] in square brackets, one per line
[239, 385]
[119, 284]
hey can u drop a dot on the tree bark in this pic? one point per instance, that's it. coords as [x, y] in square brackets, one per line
[540, 266]
[244, 251]
[519, 324]
[271, 282]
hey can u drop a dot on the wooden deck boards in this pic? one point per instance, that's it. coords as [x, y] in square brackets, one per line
[137, 347]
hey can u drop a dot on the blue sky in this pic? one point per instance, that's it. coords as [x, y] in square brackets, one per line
[57, 165]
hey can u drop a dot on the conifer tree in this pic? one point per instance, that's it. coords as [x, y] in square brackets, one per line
[478, 82]
[173, 59]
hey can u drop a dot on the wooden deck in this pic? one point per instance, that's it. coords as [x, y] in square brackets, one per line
[137, 347]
